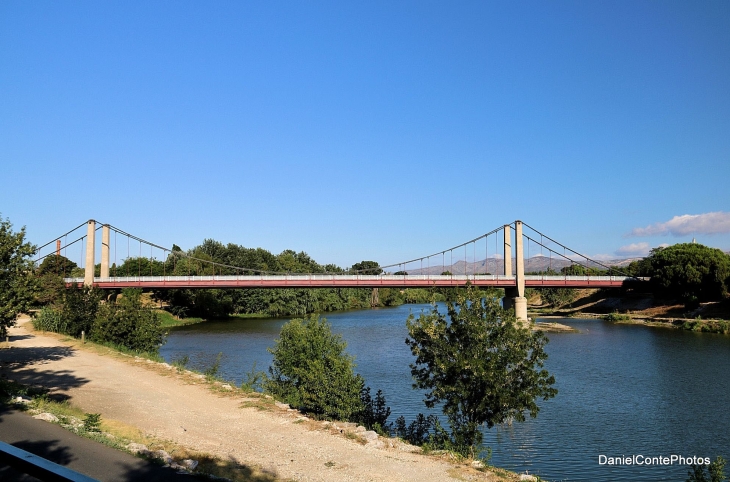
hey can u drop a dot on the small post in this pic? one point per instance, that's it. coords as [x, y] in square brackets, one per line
[83, 336]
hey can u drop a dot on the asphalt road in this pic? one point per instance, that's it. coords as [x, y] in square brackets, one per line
[90, 458]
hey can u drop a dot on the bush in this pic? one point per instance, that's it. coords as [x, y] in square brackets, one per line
[715, 472]
[80, 306]
[374, 414]
[617, 317]
[558, 297]
[128, 323]
[50, 319]
[312, 372]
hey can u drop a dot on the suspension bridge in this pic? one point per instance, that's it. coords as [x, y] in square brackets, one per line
[507, 266]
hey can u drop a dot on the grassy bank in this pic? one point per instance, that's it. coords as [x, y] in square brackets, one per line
[169, 321]
[696, 324]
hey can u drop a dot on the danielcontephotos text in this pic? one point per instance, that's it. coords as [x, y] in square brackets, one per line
[656, 460]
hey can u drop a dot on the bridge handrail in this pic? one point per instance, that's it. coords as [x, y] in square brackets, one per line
[359, 277]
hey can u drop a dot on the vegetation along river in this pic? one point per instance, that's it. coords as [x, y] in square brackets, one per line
[623, 389]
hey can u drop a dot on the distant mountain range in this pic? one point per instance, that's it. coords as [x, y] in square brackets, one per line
[496, 265]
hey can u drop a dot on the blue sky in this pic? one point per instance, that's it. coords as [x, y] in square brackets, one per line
[368, 130]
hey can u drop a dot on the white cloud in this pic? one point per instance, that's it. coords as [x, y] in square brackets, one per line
[708, 223]
[633, 249]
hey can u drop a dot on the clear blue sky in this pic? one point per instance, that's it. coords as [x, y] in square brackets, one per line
[368, 130]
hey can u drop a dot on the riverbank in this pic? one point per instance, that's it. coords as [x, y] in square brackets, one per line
[189, 412]
[641, 309]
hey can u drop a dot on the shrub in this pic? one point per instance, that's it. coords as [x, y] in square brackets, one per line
[50, 319]
[80, 306]
[617, 317]
[374, 413]
[715, 472]
[558, 297]
[312, 372]
[128, 323]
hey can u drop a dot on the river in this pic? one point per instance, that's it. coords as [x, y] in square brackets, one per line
[624, 390]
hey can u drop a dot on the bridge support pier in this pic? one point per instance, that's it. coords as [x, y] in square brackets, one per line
[90, 251]
[515, 297]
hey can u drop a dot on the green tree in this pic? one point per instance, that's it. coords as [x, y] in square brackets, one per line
[688, 271]
[17, 284]
[50, 279]
[483, 366]
[312, 372]
[558, 297]
[56, 265]
[127, 322]
[80, 305]
[715, 472]
[366, 267]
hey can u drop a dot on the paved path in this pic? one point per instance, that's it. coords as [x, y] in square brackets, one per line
[58, 445]
[164, 405]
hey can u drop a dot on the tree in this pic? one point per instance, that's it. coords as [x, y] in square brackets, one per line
[715, 472]
[312, 372]
[128, 323]
[366, 267]
[483, 366]
[80, 305]
[56, 265]
[558, 297]
[50, 275]
[17, 284]
[688, 271]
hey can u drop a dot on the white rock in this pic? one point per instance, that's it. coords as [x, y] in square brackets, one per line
[285, 406]
[360, 429]
[164, 456]
[48, 417]
[528, 477]
[136, 448]
[189, 464]
[21, 399]
[226, 386]
[369, 435]
[477, 464]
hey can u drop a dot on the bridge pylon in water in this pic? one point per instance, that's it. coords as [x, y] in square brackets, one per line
[515, 297]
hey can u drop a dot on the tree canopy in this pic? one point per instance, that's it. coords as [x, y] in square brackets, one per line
[482, 366]
[312, 372]
[688, 271]
[366, 267]
[17, 283]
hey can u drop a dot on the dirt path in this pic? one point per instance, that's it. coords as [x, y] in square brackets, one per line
[167, 406]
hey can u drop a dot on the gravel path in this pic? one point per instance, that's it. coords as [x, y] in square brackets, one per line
[170, 406]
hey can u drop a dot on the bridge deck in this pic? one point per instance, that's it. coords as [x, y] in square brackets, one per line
[353, 281]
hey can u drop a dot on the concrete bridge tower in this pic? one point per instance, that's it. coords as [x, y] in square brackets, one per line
[515, 297]
[91, 252]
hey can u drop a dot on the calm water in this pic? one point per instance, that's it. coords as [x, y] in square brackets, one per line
[623, 390]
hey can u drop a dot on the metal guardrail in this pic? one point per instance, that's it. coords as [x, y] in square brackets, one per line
[37, 466]
[323, 277]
